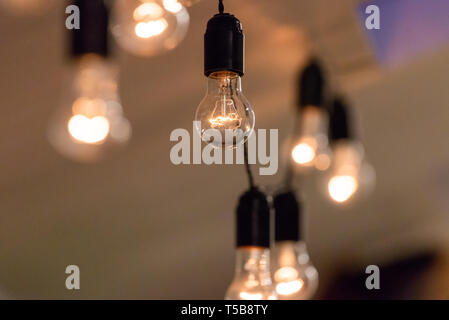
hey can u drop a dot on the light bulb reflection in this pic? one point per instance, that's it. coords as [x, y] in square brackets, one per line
[341, 188]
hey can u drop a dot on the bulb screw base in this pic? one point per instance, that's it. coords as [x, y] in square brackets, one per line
[287, 217]
[253, 220]
[224, 44]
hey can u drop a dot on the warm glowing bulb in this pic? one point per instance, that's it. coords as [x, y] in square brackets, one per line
[313, 141]
[30, 7]
[88, 130]
[250, 296]
[303, 153]
[288, 281]
[150, 27]
[91, 120]
[341, 188]
[226, 111]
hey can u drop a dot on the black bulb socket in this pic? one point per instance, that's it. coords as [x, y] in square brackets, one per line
[311, 86]
[253, 220]
[340, 121]
[92, 36]
[287, 214]
[224, 45]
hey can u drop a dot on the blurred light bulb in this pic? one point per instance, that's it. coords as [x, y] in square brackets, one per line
[149, 27]
[28, 7]
[91, 121]
[348, 172]
[312, 144]
[226, 110]
[252, 280]
[295, 277]
[304, 152]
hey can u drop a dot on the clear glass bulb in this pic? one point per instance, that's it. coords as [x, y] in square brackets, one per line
[311, 148]
[252, 279]
[28, 7]
[295, 278]
[91, 120]
[226, 110]
[149, 27]
[349, 172]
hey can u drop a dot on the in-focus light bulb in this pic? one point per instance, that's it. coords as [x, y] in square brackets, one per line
[311, 148]
[252, 280]
[149, 27]
[295, 277]
[91, 120]
[226, 110]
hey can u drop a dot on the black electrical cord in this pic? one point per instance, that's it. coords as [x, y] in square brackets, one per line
[220, 6]
[247, 166]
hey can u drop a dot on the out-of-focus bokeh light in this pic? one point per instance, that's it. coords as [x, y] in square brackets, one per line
[303, 153]
[341, 188]
[88, 130]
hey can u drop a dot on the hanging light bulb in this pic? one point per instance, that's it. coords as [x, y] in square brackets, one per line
[252, 279]
[224, 110]
[349, 171]
[91, 120]
[149, 27]
[311, 148]
[295, 278]
[27, 7]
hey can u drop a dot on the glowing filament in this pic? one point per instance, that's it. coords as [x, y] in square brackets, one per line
[303, 153]
[150, 29]
[172, 6]
[288, 281]
[341, 188]
[230, 121]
